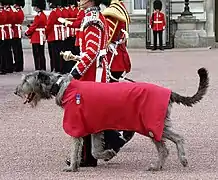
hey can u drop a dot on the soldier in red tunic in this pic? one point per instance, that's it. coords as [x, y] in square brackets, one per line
[8, 34]
[54, 36]
[70, 32]
[36, 33]
[17, 29]
[3, 57]
[158, 23]
[73, 13]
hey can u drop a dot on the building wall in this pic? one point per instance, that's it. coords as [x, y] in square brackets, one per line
[203, 10]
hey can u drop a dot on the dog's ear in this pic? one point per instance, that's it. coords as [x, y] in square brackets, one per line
[43, 77]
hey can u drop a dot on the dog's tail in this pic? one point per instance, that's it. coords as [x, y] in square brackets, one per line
[202, 89]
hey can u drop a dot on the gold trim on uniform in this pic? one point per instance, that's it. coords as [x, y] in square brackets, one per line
[117, 11]
[114, 13]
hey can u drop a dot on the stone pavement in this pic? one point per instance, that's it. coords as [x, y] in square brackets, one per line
[34, 145]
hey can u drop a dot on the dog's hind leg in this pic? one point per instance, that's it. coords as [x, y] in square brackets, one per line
[98, 150]
[162, 155]
[76, 148]
[178, 140]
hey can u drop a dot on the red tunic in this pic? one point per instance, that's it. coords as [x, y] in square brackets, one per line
[139, 107]
[37, 29]
[8, 24]
[121, 61]
[93, 37]
[65, 14]
[157, 21]
[3, 19]
[53, 28]
[76, 24]
[18, 20]
[73, 11]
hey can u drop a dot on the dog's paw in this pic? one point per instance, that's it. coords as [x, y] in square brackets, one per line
[155, 168]
[184, 161]
[67, 162]
[111, 153]
[71, 169]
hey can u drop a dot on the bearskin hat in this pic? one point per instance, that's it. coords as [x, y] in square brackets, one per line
[106, 2]
[8, 2]
[41, 4]
[97, 2]
[71, 2]
[64, 3]
[20, 3]
[157, 5]
[55, 2]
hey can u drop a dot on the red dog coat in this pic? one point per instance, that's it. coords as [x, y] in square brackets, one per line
[91, 107]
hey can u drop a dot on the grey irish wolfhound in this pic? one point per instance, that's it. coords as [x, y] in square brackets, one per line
[37, 85]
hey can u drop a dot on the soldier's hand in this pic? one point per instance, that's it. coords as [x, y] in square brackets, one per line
[64, 21]
[112, 49]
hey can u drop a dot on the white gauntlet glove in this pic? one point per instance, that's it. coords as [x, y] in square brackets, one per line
[68, 56]
[112, 49]
[64, 21]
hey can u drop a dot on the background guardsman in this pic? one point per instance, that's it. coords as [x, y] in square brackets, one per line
[17, 35]
[73, 11]
[3, 57]
[36, 32]
[8, 34]
[158, 23]
[54, 36]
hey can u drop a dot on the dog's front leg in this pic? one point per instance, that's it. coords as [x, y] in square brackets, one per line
[98, 150]
[76, 149]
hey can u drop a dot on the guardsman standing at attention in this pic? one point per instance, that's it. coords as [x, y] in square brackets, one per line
[54, 36]
[17, 28]
[3, 57]
[9, 34]
[36, 33]
[157, 24]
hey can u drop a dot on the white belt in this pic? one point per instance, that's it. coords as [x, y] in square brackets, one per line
[56, 26]
[99, 67]
[19, 29]
[158, 22]
[68, 32]
[3, 32]
[10, 30]
[41, 35]
[62, 32]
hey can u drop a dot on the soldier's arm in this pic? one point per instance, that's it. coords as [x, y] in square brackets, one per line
[93, 35]
[164, 21]
[50, 22]
[21, 16]
[33, 26]
[151, 19]
[77, 22]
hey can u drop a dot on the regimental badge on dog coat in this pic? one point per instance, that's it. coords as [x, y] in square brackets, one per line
[91, 107]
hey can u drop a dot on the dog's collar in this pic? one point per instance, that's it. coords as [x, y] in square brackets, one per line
[56, 85]
[60, 79]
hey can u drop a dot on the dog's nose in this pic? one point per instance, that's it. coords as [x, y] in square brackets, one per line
[15, 92]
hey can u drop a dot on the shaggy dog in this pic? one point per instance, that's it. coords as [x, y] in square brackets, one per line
[37, 85]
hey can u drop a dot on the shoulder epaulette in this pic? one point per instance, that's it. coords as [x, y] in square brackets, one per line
[92, 19]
